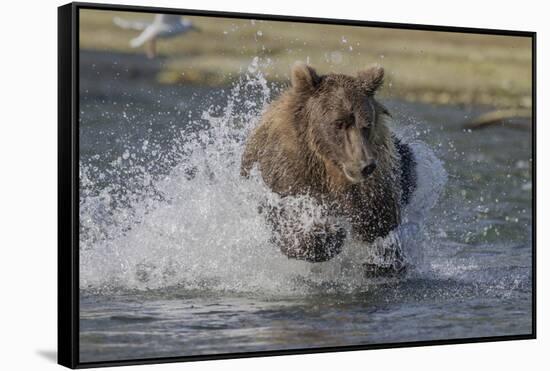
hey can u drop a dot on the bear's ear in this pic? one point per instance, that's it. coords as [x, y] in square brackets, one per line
[304, 78]
[371, 79]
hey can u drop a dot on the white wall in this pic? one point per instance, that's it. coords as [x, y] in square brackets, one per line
[28, 182]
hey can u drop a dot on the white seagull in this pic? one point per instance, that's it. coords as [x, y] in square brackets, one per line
[163, 26]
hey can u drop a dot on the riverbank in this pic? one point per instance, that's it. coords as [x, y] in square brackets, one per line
[421, 66]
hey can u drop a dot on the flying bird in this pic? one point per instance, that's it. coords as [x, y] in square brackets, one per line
[163, 26]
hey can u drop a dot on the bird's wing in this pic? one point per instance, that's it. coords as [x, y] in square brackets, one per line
[131, 25]
[150, 32]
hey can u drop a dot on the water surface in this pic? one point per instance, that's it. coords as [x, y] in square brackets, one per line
[175, 260]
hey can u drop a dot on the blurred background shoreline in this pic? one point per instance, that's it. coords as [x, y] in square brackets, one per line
[421, 66]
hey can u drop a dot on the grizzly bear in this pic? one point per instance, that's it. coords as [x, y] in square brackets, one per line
[326, 137]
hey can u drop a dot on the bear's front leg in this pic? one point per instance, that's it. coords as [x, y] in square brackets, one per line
[320, 243]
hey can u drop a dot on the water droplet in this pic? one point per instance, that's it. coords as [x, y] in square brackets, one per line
[336, 57]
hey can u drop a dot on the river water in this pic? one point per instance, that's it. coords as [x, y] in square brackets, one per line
[176, 261]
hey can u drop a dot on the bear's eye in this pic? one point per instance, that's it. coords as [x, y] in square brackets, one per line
[345, 123]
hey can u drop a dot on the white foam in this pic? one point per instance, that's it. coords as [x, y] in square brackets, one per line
[204, 231]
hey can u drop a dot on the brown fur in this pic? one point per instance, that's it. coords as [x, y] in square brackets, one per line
[316, 139]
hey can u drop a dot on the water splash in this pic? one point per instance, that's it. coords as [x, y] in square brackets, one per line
[196, 224]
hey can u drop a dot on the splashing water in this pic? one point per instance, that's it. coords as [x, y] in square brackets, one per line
[186, 218]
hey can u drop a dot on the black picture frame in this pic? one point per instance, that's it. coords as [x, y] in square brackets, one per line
[68, 182]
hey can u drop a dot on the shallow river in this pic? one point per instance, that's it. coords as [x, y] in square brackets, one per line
[176, 261]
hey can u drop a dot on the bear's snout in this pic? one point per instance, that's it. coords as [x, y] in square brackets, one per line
[368, 169]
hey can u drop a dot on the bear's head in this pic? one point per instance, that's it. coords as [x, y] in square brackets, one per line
[342, 122]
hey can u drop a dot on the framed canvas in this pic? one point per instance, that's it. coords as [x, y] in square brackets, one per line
[242, 185]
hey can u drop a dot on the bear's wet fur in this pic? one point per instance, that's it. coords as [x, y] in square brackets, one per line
[326, 137]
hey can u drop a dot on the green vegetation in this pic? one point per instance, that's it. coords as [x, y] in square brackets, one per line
[438, 67]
